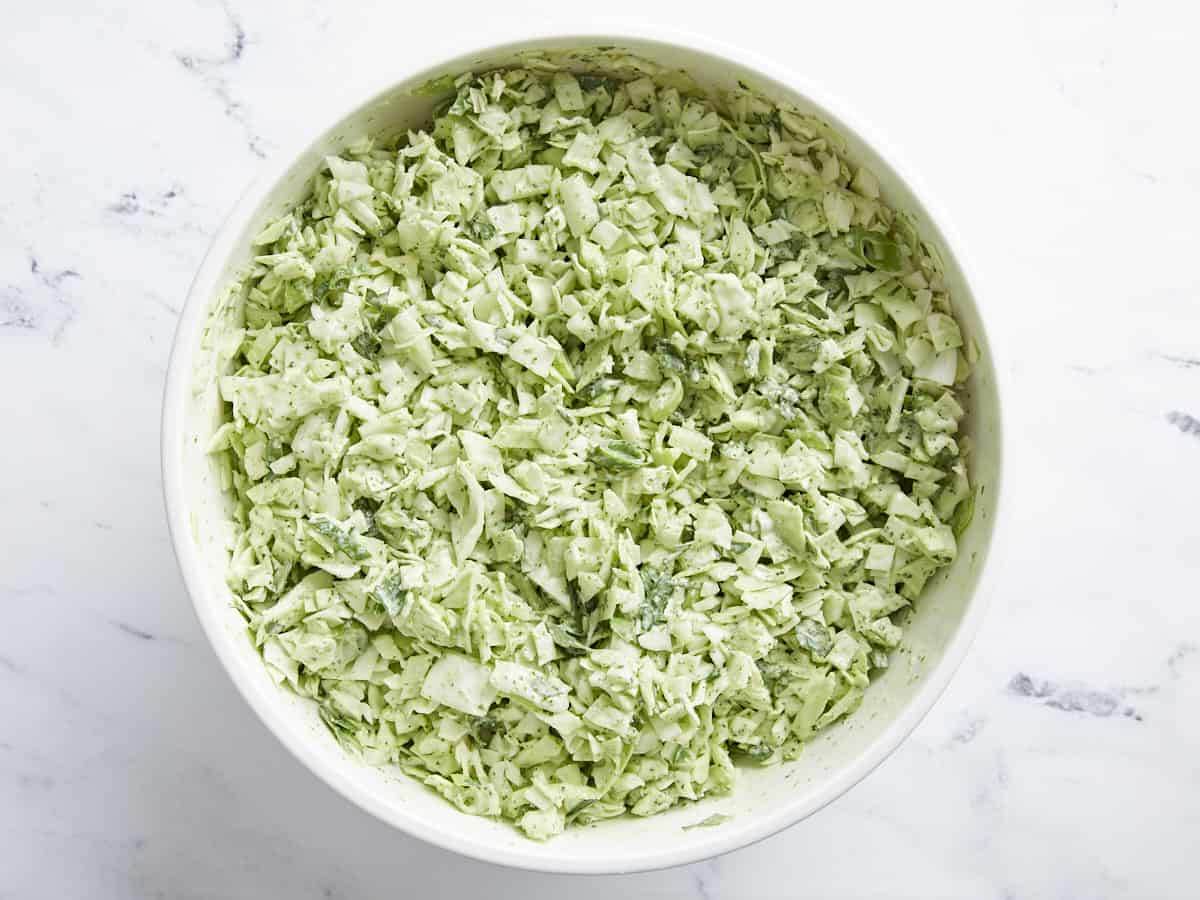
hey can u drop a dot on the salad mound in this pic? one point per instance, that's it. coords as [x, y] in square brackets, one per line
[588, 444]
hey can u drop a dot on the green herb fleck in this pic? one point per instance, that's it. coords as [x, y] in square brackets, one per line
[340, 538]
[714, 819]
[478, 230]
[577, 810]
[875, 250]
[619, 456]
[483, 729]
[597, 388]
[659, 586]
[669, 360]
[366, 344]
[814, 637]
[390, 593]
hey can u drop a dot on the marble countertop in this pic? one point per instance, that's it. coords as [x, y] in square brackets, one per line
[1063, 760]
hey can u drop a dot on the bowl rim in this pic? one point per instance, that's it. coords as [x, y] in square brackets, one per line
[173, 436]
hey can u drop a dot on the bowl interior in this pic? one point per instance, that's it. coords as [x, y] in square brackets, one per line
[766, 799]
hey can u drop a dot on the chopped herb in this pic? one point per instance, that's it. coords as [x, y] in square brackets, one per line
[366, 344]
[379, 312]
[567, 639]
[390, 594]
[329, 289]
[814, 637]
[483, 729]
[669, 360]
[577, 810]
[479, 230]
[875, 250]
[340, 726]
[619, 456]
[368, 508]
[591, 83]
[963, 513]
[658, 586]
[597, 388]
[340, 538]
[710, 821]
[760, 752]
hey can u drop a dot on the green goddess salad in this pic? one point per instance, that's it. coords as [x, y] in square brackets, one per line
[589, 444]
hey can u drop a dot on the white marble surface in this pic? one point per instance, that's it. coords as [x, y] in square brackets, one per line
[1065, 759]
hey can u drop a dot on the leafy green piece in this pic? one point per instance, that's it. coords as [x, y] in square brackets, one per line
[618, 456]
[875, 250]
[597, 388]
[578, 809]
[760, 753]
[342, 539]
[709, 821]
[592, 83]
[814, 637]
[366, 344]
[670, 361]
[327, 290]
[390, 593]
[659, 586]
[341, 726]
[484, 728]
[963, 514]
[567, 639]
[479, 230]
[368, 508]
[378, 312]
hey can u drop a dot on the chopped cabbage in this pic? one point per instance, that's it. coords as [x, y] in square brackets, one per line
[588, 444]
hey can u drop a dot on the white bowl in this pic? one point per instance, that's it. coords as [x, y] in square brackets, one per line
[765, 800]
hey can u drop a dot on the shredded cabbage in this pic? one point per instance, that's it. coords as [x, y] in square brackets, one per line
[589, 443]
